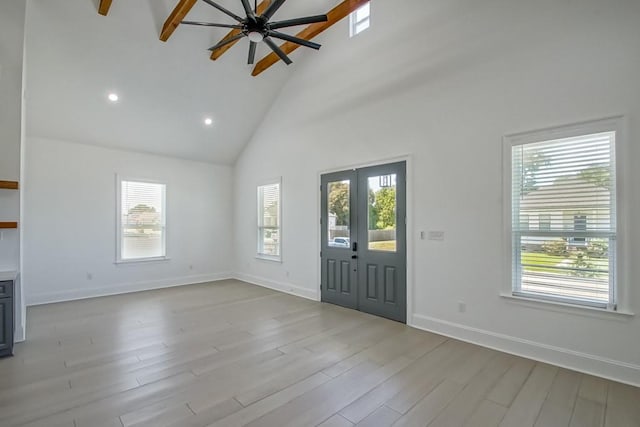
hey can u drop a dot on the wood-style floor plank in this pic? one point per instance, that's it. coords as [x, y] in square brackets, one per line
[381, 417]
[558, 406]
[511, 383]
[465, 403]
[623, 409]
[429, 407]
[487, 414]
[230, 354]
[336, 421]
[526, 407]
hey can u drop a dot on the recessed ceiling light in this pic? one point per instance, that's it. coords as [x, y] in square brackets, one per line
[208, 121]
[113, 97]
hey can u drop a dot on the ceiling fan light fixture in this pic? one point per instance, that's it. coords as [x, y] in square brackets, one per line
[255, 36]
[258, 28]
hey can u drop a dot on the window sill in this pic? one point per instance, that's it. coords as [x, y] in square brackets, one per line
[269, 258]
[142, 260]
[565, 308]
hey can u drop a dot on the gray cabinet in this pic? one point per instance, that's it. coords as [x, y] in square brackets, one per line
[6, 318]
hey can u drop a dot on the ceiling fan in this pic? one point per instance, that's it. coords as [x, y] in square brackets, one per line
[258, 28]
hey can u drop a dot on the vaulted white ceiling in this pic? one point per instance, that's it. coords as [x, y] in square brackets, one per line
[75, 57]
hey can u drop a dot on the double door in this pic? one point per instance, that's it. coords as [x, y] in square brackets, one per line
[363, 246]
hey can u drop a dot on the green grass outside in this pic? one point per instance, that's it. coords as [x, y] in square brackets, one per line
[545, 263]
[543, 260]
[386, 245]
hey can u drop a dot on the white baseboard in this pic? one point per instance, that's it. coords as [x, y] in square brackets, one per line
[582, 362]
[76, 294]
[18, 334]
[287, 288]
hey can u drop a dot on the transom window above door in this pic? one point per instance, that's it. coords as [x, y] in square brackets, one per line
[360, 19]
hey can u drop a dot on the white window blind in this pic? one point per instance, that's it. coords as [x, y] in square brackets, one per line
[360, 19]
[564, 219]
[269, 222]
[141, 227]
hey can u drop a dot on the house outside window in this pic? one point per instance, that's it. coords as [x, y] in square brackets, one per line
[566, 178]
[544, 222]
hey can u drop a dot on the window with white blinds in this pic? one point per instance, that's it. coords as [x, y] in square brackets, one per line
[563, 218]
[269, 221]
[141, 221]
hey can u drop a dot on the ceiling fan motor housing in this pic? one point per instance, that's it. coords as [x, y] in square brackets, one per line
[256, 30]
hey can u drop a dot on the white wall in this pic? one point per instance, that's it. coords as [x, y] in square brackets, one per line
[11, 55]
[70, 221]
[12, 21]
[445, 87]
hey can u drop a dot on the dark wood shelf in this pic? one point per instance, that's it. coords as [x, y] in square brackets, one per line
[9, 185]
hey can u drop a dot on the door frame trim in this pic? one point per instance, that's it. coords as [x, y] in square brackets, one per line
[408, 159]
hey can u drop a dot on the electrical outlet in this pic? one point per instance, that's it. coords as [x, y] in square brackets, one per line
[190, 267]
[89, 276]
[462, 307]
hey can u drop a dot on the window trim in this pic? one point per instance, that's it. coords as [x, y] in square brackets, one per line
[119, 260]
[618, 286]
[259, 228]
[353, 24]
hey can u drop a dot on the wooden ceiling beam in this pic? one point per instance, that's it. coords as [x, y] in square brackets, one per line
[9, 185]
[103, 8]
[336, 14]
[219, 52]
[179, 12]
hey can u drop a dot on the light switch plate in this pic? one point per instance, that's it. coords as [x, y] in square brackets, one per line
[436, 235]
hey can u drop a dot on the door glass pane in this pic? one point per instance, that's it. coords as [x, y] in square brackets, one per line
[338, 215]
[382, 213]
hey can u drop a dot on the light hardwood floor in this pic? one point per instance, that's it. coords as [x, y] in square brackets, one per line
[233, 354]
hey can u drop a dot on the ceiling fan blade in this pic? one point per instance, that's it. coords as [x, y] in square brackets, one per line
[223, 10]
[299, 21]
[274, 47]
[273, 8]
[293, 39]
[210, 24]
[248, 10]
[252, 52]
[227, 41]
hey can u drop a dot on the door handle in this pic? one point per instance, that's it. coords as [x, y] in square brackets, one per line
[354, 256]
[354, 246]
